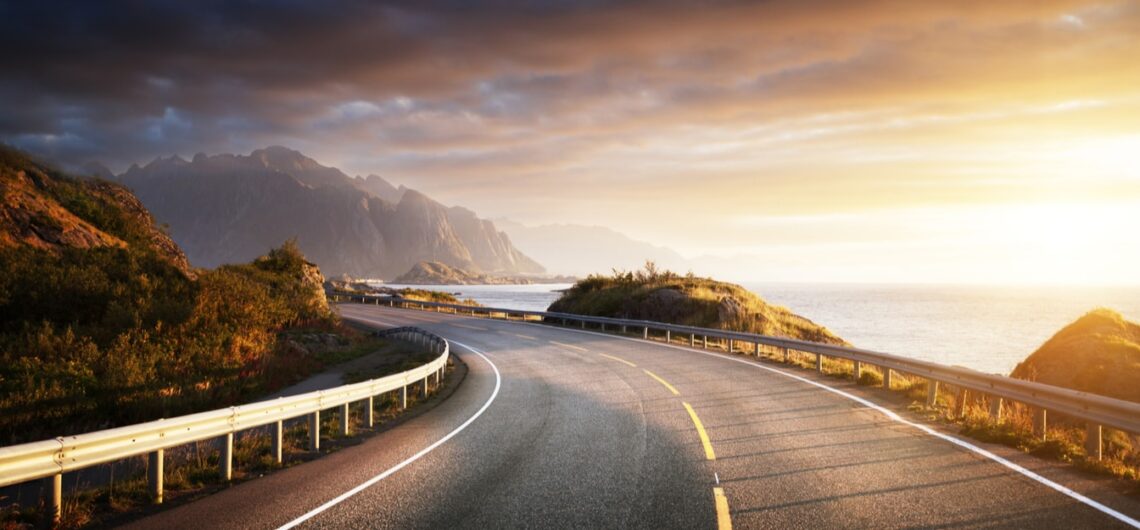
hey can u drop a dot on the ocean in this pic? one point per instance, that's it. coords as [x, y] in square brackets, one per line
[987, 328]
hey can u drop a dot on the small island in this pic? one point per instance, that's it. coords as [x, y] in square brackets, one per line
[664, 296]
[438, 273]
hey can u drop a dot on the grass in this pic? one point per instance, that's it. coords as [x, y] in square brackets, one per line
[193, 470]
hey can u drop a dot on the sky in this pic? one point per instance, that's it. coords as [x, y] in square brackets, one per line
[879, 141]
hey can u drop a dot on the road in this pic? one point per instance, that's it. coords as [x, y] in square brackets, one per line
[558, 428]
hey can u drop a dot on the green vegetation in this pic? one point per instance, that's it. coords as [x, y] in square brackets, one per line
[102, 323]
[664, 296]
[440, 297]
[1098, 353]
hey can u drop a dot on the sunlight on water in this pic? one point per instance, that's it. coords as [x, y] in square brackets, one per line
[985, 328]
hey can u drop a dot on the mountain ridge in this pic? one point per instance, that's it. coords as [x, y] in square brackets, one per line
[229, 208]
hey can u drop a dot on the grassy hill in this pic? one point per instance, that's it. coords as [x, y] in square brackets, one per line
[1098, 353]
[664, 296]
[103, 322]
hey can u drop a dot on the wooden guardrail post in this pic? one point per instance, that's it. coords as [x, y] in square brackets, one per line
[1040, 423]
[315, 431]
[344, 420]
[1093, 440]
[278, 439]
[931, 392]
[154, 475]
[226, 458]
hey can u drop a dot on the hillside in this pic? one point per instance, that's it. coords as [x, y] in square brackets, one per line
[686, 300]
[231, 208]
[47, 210]
[102, 322]
[1098, 353]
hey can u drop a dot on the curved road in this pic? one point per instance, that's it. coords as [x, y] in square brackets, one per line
[568, 429]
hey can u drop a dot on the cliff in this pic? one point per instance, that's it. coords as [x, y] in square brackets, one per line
[1098, 353]
[232, 208]
[686, 300]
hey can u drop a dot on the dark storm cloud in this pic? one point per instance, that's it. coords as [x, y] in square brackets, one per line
[126, 81]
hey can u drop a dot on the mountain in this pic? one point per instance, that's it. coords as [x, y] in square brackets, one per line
[1098, 353]
[582, 250]
[231, 208]
[436, 273]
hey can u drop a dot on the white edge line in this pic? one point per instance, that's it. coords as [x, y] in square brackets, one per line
[892, 415]
[342, 497]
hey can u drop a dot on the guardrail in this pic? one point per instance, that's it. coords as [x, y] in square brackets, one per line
[1095, 410]
[51, 458]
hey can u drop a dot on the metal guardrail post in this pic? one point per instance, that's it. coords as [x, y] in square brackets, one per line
[425, 388]
[54, 499]
[1093, 441]
[856, 370]
[645, 333]
[370, 414]
[345, 429]
[403, 397]
[931, 392]
[226, 458]
[315, 431]
[668, 336]
[960, 405]
[1040, 423]
[787, 355]
[729, 349]
[154, 475]
[995, 408]
[278, 439]
[819, 362]
[692, 340]
[886, 377]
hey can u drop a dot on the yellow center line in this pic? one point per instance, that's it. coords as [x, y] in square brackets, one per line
[571, 346]
[618, 359]
[477, 328]
[662, 381]
[723, 518]
[528, 337]
[709, 454]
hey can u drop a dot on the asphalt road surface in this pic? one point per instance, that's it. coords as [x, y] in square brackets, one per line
[558, 428]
